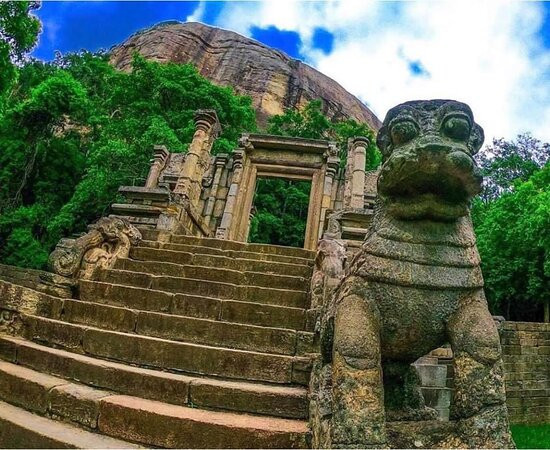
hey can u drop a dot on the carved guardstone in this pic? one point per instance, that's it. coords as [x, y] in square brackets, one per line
[415, 284]
[109, 238]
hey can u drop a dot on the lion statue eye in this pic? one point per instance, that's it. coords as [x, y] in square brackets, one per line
[403, 132]
[457, 128]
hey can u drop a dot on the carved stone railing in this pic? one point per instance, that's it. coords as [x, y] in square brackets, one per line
[330, 263]
[109, 238]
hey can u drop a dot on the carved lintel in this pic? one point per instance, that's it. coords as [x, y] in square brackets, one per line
[109, 238]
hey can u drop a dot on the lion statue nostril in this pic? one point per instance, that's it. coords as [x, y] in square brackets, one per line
[461, 160]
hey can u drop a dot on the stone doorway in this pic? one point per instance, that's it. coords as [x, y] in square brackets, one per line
[266, 156]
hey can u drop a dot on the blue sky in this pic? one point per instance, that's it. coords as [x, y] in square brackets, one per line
[495, 56]
[95, 25]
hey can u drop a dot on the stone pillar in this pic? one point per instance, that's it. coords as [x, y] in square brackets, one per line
[331, 169]
[157, 164]
[359, 154]
[223, 230]
[220, 162]
[189, 185]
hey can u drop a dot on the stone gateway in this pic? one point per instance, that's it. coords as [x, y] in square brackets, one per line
[414, 285]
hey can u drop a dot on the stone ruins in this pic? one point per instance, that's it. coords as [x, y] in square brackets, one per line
[163, 327]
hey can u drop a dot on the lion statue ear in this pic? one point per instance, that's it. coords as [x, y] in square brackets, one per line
[383, 142]
[477, 136]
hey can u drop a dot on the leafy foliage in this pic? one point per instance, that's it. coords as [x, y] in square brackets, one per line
[512, 219]
[18, 33]
[503, 163]
[282, 205]
[281, 212]
[75, 130]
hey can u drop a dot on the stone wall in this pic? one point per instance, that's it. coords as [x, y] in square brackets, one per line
[526, 356]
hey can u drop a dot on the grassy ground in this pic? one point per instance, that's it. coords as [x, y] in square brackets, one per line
[531, 436]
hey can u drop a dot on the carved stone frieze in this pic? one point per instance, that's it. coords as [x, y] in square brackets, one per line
[109, 238]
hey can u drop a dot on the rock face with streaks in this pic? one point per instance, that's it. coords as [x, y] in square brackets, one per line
[274, 80]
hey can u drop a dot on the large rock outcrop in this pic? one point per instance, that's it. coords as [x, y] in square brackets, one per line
[274, 80]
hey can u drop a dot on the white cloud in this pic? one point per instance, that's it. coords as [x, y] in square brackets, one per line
[485, 53]
[197, 15]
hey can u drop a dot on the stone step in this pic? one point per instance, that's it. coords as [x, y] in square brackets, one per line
[188, 329]
[437, 397]
[169, 355]
[145, 421]
[242, 254]
[223, 262]
[37, 280]
[212, 393]
[256, 294]
[50, 396]
[22, 429]
[217, 274]
[432, 375]
[222, 244]
[163, 425]
[193, 305]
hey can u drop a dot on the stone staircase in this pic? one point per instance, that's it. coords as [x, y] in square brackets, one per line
[435, 371]
[189, 342]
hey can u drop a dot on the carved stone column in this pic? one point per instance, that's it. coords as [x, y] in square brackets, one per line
[207, 127]
[359, 154]
[158, 162]
[333, 161]
[220, 162]
[223, 230]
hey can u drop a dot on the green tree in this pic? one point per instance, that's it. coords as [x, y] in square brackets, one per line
[514, 244]
[504, 162]
[280, 212]
[76, 129]
[18, 34]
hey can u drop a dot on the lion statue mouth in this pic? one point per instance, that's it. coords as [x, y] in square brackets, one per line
[428, 169]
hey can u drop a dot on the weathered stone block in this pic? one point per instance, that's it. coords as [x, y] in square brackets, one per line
[432, 375]
[54, 332]
[264, 315]
[76, 403]
[164, 425]
[188, 357]
[8, 351]
[97, 315]
[26, 388]
[196, 306]
[253, 398]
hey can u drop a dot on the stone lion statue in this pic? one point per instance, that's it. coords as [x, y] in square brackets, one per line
[415, 285]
